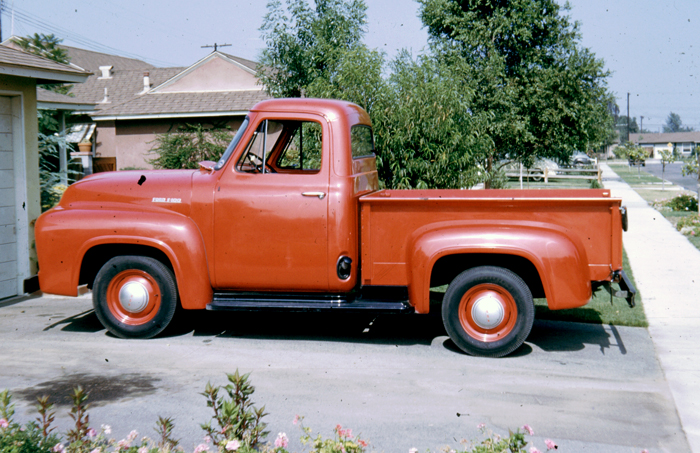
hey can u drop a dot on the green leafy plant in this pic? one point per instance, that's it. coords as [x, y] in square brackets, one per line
[689, 225]
[190, 145]
[239, 430]
[236, 416]
[683, 202]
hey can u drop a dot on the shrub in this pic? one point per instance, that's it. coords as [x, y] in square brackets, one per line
[682, 203]
[190, 145]
[689, 225]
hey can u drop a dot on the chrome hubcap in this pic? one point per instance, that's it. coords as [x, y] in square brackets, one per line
[487, 312]
[133, 297]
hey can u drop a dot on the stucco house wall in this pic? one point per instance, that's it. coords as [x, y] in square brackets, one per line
[133, 140]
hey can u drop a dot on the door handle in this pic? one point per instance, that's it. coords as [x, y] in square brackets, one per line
[320, 195]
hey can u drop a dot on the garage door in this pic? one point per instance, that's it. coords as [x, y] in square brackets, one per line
[8, 215]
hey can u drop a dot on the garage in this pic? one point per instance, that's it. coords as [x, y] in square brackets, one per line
[10, 219]
[20, 72]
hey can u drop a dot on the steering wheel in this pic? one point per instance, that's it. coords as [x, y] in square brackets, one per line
[257, 163]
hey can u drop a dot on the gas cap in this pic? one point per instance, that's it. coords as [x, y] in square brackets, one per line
[344, 267]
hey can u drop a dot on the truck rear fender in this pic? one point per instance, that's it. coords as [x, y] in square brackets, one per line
[108, 234]
[559, 262]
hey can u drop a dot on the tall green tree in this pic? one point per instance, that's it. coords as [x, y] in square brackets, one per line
[307, 43]
[621, 127]
[675, 124]
[423, 131]
[545, 94]
[47, 46]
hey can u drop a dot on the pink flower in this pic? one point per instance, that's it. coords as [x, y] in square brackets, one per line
[362, 443]
[481, 426]
[142, 450]
[132, 435]
[97, 450]
[200, 448]
[3, 423]
[296, 420]
[233, 445]
[413, 450]
[123, 444]
[528, 429]
[534, 450]
[58, 448]
[550, 444]
[645, 451]
[91, 432]
[207, 439]
[282, 441]
[107, 429]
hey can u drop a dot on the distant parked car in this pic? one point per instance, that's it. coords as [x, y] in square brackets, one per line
[639, 161]
[580, 159]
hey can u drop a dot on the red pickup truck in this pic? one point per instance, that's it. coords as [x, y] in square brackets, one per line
[292, 218]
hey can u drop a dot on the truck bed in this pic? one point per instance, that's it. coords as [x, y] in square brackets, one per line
[393, 220]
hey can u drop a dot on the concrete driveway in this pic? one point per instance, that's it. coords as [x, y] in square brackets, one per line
[397, 380]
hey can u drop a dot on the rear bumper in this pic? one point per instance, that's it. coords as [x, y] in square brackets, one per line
[627, 289]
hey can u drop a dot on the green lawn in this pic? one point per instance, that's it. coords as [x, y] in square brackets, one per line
[650, 189]
[598, 311]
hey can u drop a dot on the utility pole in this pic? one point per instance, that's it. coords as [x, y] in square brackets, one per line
[215, 46]
[641, 124]
[628, 116]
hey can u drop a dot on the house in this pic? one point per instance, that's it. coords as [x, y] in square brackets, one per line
[218, 90]
[682, 142]
[20, 72]
[135, 101]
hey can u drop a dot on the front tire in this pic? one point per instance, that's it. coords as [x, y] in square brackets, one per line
[135, 296]
[488, 311]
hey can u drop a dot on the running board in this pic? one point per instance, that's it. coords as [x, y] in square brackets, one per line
[305, 303]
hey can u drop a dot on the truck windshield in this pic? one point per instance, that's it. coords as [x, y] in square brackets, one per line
[233, 144]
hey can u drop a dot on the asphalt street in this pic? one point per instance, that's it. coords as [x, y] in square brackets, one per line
[672, 173]
[396, 380]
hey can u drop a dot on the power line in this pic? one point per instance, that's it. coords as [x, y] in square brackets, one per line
[28, 19]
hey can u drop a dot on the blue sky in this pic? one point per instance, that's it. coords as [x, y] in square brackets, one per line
[651, 47]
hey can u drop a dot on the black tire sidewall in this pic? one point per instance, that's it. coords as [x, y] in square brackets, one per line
[504, 278]
[162, 275]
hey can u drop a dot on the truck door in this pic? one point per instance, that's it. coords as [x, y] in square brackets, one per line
[271, 210]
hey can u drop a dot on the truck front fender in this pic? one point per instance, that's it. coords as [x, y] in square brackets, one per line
[64, 236]
[559, 260]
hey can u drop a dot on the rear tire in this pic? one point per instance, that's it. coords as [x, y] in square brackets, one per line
[488, 311]
[135, 296]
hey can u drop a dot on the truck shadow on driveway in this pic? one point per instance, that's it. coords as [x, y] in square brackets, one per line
[400, 330]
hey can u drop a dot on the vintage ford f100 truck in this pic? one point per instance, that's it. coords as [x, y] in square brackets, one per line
[292, 218]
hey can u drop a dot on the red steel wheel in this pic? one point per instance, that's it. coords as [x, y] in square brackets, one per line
[488, 311]
[135, 296]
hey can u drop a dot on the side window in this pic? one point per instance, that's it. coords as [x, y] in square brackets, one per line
[302, 150]
[361, 141]
[283, 147]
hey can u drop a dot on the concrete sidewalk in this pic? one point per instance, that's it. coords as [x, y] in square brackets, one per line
[667, 271]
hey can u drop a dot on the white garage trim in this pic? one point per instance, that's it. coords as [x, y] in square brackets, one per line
[20, 176]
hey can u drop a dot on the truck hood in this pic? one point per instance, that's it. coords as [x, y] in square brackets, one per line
[140, 190]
